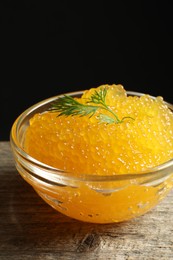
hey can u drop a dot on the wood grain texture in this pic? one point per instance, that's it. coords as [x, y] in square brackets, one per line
[31, 229]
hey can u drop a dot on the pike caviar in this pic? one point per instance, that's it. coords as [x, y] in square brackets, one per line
[82, 144]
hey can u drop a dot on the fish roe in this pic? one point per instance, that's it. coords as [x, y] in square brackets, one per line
[83, 144]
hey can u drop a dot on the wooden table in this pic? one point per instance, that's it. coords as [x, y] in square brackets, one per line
[30, 229]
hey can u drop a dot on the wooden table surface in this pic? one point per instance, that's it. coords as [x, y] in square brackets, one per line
[31, 229]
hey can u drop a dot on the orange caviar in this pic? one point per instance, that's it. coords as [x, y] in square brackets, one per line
[84, 145]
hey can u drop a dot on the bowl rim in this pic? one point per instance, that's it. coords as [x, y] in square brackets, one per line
[155, 172]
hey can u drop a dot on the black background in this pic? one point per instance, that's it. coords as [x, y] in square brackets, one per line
[55, 48]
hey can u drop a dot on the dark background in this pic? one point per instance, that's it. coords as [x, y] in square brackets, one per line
[55, 48]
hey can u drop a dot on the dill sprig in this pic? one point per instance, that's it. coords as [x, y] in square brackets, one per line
[69, 106]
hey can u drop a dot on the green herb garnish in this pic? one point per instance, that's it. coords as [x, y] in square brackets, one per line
[69, 106]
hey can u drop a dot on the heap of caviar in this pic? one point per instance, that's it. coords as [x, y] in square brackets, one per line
[104, 132]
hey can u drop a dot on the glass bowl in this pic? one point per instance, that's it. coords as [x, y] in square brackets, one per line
[89, 198]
